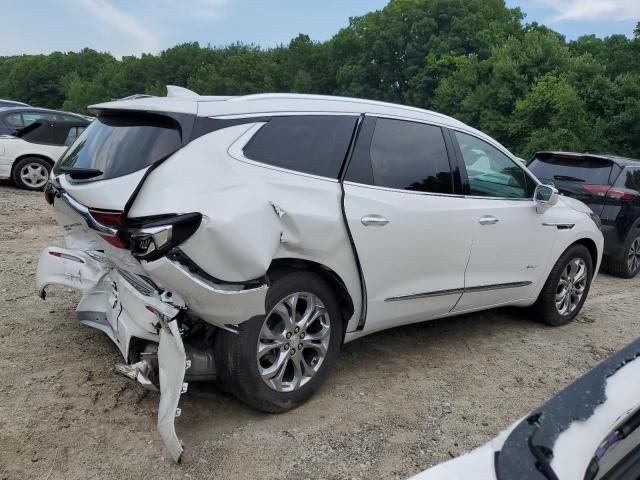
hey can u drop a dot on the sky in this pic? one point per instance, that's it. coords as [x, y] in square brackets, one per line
[131, 27]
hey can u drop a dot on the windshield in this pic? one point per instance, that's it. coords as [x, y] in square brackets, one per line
[120, 145]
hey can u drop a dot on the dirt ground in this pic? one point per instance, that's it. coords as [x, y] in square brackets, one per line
[399, 401]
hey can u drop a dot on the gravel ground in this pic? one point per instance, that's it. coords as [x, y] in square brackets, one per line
[399, 401]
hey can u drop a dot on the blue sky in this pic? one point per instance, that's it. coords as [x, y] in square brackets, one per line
[126, 27]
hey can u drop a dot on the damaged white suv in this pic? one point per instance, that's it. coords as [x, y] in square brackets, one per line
[250, 237]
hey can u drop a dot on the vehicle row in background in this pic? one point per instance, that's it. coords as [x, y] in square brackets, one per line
[610, 186]
[28, 156]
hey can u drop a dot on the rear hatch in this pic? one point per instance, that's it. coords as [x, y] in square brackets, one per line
[583, 177]
[98, 177]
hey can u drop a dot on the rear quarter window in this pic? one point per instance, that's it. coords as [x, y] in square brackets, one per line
[582, 170]
[315, 144]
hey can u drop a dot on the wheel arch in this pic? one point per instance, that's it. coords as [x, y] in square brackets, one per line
[280, 266]
[590, 245]
[31, 155]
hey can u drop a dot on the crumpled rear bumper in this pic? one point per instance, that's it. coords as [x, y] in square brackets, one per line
[113, 304]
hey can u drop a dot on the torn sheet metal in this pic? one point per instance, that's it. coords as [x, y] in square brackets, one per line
[172, 363]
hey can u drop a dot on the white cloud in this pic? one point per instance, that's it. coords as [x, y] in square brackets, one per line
[197, 8]
[118, 20]
[573, 10]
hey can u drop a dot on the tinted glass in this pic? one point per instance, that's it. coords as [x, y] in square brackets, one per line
[410, 156]
[49, 134]
[14, 120]
[310, 144]
[630, 178]
[491, 173]
[581, 170]
[121, 145]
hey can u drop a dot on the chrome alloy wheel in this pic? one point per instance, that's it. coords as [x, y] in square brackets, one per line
[571, 287]
[633, 260]
[34, 175]
[293, 342]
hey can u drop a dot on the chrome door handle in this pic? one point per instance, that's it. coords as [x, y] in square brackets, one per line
[487, 220]
[374, 221]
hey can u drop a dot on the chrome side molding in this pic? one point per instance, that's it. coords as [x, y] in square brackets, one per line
[458, 291]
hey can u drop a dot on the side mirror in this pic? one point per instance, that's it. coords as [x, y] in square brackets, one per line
[545, 197]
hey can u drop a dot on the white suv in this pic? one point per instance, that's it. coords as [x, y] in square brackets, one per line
[252, 236]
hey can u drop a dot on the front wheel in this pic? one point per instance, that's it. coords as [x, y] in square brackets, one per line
[278, 361]
[566, 288]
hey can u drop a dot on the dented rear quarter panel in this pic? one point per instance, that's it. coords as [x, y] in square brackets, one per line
[253, 213]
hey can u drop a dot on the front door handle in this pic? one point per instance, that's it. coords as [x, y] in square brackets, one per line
[374, 221]
[488, 220]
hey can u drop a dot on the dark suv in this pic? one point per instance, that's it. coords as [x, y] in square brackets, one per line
[610, 186]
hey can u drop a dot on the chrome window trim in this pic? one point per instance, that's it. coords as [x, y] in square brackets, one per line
[450, 195]
[458, 291]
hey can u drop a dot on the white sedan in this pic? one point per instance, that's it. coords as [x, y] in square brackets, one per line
[28, 157]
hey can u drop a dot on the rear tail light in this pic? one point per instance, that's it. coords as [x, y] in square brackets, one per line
[153, 238]
[611, 192]
[114, 219]
[148, 238]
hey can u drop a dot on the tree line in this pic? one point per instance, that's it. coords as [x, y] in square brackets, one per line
[476, 60]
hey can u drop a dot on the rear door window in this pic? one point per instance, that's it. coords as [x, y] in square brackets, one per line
[571, 169]
[123, 144]
[314, 144]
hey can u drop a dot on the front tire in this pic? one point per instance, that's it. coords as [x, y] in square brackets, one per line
[278, 361]
[629, 265]
[566, 288]
[31, 173]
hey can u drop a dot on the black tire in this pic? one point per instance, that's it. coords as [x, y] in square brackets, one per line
[237, 358]
[620, 267]
[37, 163]
[545, 308]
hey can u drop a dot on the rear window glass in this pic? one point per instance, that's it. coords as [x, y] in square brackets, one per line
[310, 144]
[582, 170]
[120, 145]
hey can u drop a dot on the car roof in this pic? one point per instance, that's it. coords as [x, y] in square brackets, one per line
[265, 104]
[14, 102]
[618, 160]
[36, 109]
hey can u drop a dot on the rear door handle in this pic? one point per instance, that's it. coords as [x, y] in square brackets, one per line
[488, 220]
[374, 221]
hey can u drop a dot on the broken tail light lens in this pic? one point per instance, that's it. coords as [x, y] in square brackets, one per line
[153, 237]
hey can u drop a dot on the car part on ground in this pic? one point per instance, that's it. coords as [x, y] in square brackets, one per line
[610, 186]
[579, 434]
[356, 216]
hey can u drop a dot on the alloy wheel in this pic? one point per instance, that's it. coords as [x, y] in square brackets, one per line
[34, 175]
[571, 287]
[293, 342]
[633, 260]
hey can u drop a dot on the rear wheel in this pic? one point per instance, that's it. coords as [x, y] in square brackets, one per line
[566, 288]
[31, 173]
[628, 265]
[278, 361]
